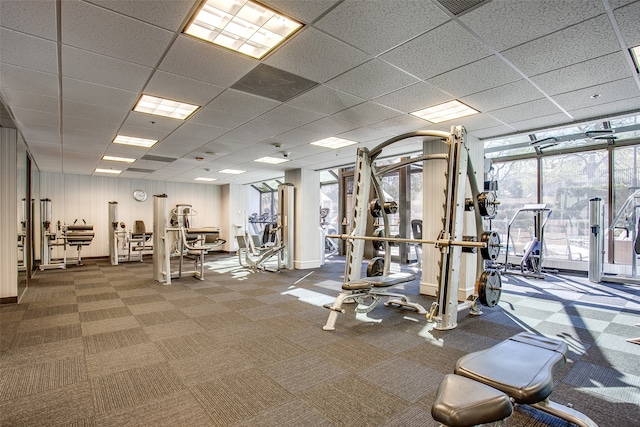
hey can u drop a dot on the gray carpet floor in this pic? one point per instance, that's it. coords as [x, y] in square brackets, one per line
[103, 345]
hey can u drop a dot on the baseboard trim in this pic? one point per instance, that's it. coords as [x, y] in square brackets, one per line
[9, 300]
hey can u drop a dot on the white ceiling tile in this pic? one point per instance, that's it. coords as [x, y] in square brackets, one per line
[166, 14]
[195, 130]
[129, 129]
[41, 134]
[178, 88]
[400, 125]
[242, 104]
[481, 75]
[28, 80]
[612, 108]
[627, 18]
[28, 51]
[301, 10]
[504, 96]
[330, 57]
[366, 24]
[324, 100]
[507, 23]
[223, 119]
[490, 132]
[588, 73]
[35, 101]
[539, 122]
[37, 18]
[476, 121]
[100, 69]
[330, 126]
[367, 113]
[152, 122]
[298, 136]
[414, 97]
[93, 112]
[372, 79]
[96, 128]
[438, 51]
[364, 134]
[91, 93]
[207, 62]
[291, 116]
[25, 117]
[95, 29]
[619, 3]
[241, 137]
[570, 46]
[265, 128]
[533, 109]
[608, 92]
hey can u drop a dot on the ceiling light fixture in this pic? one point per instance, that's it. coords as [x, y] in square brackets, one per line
[447, 111]
[232, 171]
[205, 179]
[333, 142]
[635, 54]
[164, 107]
[271, 160]
[244, 26]
[118, 159]
[111, 171]
[132, 140]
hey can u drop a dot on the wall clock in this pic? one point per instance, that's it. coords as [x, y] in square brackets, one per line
[140, 195]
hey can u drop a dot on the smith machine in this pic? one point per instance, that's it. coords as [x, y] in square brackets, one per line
[450, 241]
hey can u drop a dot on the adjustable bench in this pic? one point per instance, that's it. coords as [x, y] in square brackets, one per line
[79, 235]
[520, 368]
[374, 287]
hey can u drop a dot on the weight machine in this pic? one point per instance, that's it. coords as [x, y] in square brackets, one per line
[531, 259]
[175, 237]
[63, 235]
[125, 242]
[277, 243]
[451, 243]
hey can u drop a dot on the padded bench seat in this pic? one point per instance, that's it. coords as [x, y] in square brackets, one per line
[379, 281]
[462, 402]
[521, 366]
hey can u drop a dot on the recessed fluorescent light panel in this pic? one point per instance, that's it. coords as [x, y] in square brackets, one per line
[205, 179]
[232, 171]
[111, 171]
[164, 107]
[271, 160]
[333, 143]
[118, 159]
[635, 53]
[447, 111]
[131, 140]
[244, 26]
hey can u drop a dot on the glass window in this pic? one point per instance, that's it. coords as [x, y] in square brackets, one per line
[569, 181]
[517, 186]
[626, 178]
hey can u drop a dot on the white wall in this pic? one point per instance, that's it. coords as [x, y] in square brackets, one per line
[87, 197]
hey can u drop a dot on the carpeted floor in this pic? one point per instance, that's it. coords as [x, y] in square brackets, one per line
[103, 345]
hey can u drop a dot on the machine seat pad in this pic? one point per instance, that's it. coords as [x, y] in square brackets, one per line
[356, 286]
[461, 402]
[203, 230]
[390, 280]
[521, 366]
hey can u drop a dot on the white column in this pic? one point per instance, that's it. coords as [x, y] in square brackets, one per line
[9, 215]
[234, 202]
[307, 250]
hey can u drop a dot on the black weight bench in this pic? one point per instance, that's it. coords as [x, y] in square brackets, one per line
[519, 369]
[374, 287]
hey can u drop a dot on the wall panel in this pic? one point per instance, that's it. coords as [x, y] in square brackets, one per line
[87, 198]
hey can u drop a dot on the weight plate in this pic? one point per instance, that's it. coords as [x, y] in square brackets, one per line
[378, 245]
[492, 239]
[487, 204]
[375, 209]
[375, 267]
[490, 288]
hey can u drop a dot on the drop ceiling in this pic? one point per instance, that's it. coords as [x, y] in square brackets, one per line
[71, 72]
